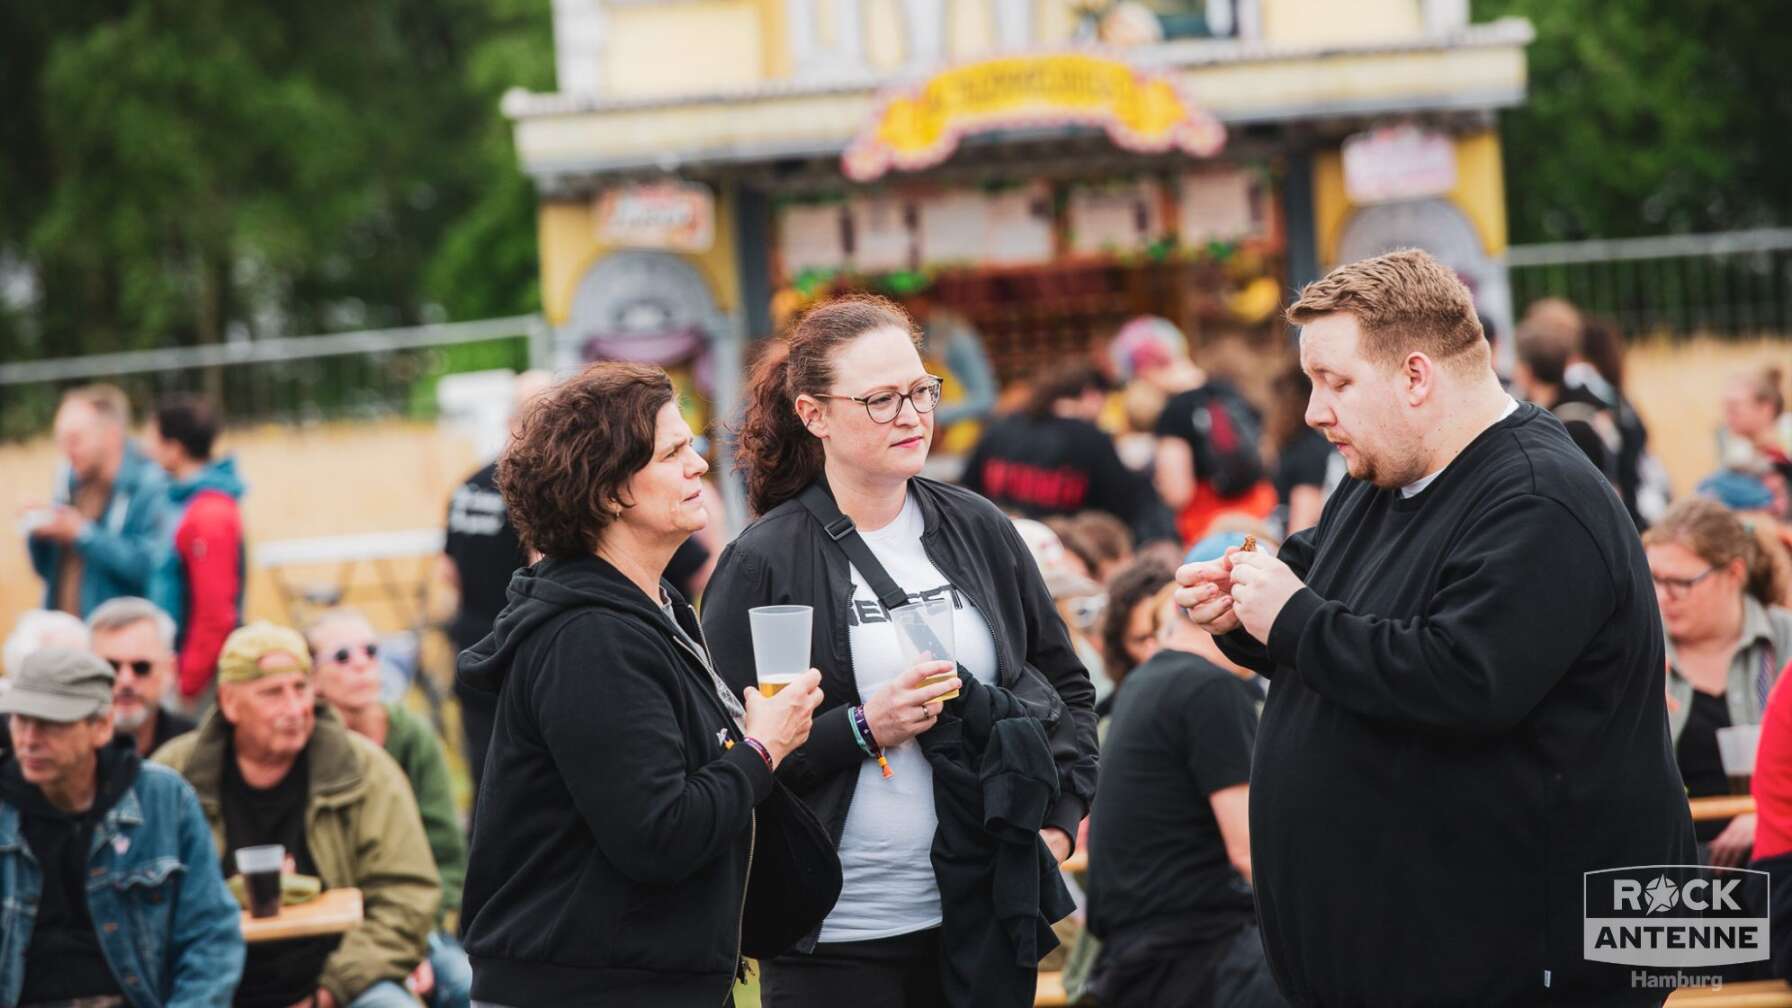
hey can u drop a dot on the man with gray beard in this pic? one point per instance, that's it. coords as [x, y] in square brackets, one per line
[136, 638]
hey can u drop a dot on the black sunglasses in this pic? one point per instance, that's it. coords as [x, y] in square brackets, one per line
[139, 668]
[343, 654]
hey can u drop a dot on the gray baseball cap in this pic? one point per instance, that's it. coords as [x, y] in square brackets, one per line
[59, 684]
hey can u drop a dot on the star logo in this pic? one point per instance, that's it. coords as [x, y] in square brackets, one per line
[1662, 894]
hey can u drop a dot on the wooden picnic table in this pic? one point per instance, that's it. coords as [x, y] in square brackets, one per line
[1703, 810]
[334, 911]
[1721, 807]
[1744, 994]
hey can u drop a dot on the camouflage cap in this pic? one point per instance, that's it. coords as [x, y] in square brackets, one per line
[261, 649]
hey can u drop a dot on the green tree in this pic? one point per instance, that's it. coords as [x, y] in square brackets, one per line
[1649, 117]
[177, 171]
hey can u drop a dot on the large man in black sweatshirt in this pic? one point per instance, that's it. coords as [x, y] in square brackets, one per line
[1466, 711]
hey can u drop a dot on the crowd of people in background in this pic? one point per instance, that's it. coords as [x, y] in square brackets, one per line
[138, 672]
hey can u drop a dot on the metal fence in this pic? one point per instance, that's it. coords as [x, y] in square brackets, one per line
[1734, 285]
[376, 373]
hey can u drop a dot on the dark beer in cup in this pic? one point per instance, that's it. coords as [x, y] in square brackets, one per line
[260, 867]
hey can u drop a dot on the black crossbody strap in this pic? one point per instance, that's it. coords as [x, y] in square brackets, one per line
[845, 535]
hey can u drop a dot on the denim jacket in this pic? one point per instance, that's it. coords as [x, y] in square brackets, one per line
[167, 925]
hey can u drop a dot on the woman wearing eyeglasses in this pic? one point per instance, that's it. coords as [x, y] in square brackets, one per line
[345, 656]
[843, 404]
[1720, 589]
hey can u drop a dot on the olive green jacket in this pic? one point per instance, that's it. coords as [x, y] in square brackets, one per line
[411, 741]
[363, 829]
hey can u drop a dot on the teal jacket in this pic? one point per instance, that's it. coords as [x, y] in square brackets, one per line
[170, 586]
[120, 550]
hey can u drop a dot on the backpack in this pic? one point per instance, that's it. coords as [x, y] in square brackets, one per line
[1229, 431]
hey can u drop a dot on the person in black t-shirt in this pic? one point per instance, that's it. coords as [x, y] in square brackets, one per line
[1051, 459]
[282, 973]
[1169, 835]
[1302, 454]
[1209, 461]
[1548, 340]
[479, 554]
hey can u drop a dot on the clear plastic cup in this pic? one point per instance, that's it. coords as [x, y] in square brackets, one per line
[924, 631]
[780, 644]
[1736, 746]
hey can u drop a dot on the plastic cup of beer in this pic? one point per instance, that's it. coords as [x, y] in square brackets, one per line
[1736, 746]
[261, 868]
[780, 644]
[924, 631]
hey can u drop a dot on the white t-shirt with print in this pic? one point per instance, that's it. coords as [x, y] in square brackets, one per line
[885, 849]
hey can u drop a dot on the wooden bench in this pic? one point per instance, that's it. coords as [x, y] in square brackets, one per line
[1050, 992]
[1750, 994]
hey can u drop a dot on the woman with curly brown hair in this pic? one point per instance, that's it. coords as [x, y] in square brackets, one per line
[1720, 588]
[616, 822]
[838, 422]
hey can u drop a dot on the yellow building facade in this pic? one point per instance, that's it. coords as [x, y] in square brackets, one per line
[1042, 169]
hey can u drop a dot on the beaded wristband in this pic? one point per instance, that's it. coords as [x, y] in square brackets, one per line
[759, 747]
[861, 730]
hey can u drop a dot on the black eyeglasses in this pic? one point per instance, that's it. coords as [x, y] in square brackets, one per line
[1676, 588]
[342, 655]
[884, 407]
[139, 668]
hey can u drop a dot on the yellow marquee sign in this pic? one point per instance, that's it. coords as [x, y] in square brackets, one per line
[920, 127]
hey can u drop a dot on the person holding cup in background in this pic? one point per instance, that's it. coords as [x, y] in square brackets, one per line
[273, 765]
[844, 405]
[1719, 587]
[625, 785]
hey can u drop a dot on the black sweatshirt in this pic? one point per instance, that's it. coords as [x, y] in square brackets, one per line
[1467, 714]
[610, 847]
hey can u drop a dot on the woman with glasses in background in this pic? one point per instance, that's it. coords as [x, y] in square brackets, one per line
[345, 655]
[1721, 588]
[843, 405]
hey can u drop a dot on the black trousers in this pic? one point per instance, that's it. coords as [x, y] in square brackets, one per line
[1229, 972]
[899, 972]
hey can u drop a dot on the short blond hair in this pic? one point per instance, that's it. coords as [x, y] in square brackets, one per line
[108, 401]
[1403, 301]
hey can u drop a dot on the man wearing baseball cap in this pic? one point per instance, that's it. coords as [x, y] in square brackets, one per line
[110, 892]
[272, 766]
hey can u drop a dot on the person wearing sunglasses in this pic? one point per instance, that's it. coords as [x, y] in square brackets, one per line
[136, 638]
[840, 417]
[345, 658]
[1720, 589]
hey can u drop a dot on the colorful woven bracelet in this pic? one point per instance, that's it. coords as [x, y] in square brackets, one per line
[764, 753]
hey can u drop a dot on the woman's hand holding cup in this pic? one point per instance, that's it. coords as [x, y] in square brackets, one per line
[781, 723]
[906, 706]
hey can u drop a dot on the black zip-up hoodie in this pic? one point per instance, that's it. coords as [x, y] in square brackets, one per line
[611, 845]
[785, 557]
